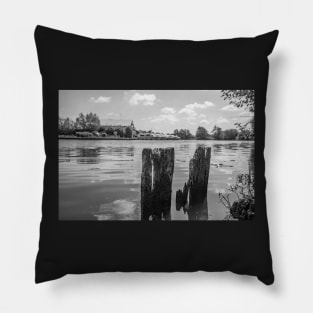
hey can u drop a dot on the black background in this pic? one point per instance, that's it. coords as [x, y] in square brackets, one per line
[72, 62]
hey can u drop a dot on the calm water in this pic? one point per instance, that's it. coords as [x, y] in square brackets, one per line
[100, 180]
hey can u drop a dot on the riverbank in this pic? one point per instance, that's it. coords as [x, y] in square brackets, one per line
[116, 138]
[143, 138]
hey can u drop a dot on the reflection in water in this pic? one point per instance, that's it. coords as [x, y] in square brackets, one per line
[199, 211]
[88, 155]
[116, 210]
[91, 155]
[101, 179]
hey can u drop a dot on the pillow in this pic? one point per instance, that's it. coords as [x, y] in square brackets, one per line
[151, 164]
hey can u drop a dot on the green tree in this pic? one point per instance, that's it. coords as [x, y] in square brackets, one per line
[183, 133]
[242, 99]
[230, 134]
[92, 121]
[66, 126]
[217, 133]
[202, 133]
[120, 132]
[109, 131]
[80, 121]
[128, 132]
[245, 133]
[88, 122]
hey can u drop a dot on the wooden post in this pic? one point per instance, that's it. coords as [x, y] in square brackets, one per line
[193, 197]
[146, 184]
[156, 183]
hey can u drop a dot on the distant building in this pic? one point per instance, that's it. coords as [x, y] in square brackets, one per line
[118, 127]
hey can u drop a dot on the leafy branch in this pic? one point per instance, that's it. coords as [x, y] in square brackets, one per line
[243, 207]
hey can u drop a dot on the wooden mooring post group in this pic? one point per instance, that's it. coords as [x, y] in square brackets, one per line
[156, 184]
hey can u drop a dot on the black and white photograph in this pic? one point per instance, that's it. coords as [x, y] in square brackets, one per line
[131, 155]
[133, 180]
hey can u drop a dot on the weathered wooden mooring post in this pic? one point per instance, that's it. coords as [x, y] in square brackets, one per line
[193, 197]
[156, 183]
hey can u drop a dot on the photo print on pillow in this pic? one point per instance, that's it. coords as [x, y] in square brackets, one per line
[156, 155]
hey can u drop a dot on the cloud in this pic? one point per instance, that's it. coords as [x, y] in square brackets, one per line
[230, 108]
[188, 111]
[165, 117]
[206, 122]
[196, 105]
[189, 115]
[222, 120]
[117, 210]
[142, 99]
[168, 110]
[101, 99]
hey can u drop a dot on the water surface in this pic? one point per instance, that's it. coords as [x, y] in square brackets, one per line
[100, 179]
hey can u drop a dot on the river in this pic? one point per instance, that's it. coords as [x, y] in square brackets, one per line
[100, 179]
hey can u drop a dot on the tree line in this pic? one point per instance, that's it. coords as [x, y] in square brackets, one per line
[90, 123]
[217, 133]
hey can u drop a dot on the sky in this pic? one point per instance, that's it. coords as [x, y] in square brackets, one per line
[156, 110]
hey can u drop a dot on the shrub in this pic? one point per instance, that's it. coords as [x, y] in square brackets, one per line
[243, 207]
[83, 134]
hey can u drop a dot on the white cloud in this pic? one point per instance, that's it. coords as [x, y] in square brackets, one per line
[206, 122]
[165, 117]
[118, 209]
[222, 120]
[230, 108]
[196, 105]
[188, 111]
[168, 110]
[142, 99]
[101, 99]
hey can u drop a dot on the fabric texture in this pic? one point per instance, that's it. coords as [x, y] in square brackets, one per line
[68, 245]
